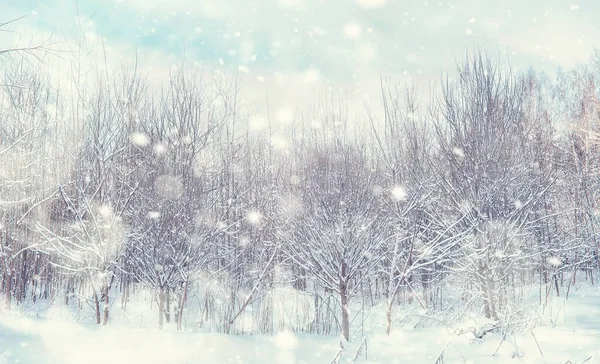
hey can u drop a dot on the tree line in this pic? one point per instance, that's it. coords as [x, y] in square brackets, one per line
[459, 200]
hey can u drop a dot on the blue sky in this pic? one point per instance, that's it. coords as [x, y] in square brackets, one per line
[334, 42]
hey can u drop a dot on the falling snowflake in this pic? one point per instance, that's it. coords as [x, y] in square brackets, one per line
[286, 340]
[254, 217]
[311, 76]
[284, 115]
[555, 261]
[187, 140]
[458, 152]
[139, 139]
[399, 193]
[257, 122]
[352, 31]
[105, 210]
[153, 215]
[244, 240]
[160, 148]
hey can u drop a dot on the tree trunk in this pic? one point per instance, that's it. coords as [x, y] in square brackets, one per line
[343, 285]
[168, 305]
[7, 287]
[388, 314]
[181, 306]
[97, 307]
[106, 303]
[125, 295]
[388, 330]
[161, 304]
[489, 301]
[345, 315]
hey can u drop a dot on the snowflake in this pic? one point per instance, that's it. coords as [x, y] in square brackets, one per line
[458, 152]
[105, 210]
[352, 31]
[554, 261]
[286, 340]
[311, 76]
[187, 140]
[153, 215]
[254, 217]
[139, 139]
[160, 148]
[257, 122]
[399, 193]
[284, 115]
[244, 240]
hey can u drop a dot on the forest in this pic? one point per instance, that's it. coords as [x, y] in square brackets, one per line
[459, 197]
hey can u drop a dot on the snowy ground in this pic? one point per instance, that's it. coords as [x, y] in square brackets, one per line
[574, 338]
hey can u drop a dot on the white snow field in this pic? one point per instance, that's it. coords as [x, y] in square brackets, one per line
[566, 331]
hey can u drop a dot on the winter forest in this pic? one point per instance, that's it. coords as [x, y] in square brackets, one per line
[173, 207]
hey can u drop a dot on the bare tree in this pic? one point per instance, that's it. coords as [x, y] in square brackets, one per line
[339, 230]
[483, 139]
[33, 49]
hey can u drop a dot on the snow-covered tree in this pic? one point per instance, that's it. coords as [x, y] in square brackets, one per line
[338, 231]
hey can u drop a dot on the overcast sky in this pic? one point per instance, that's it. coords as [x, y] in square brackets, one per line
[293, 45]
